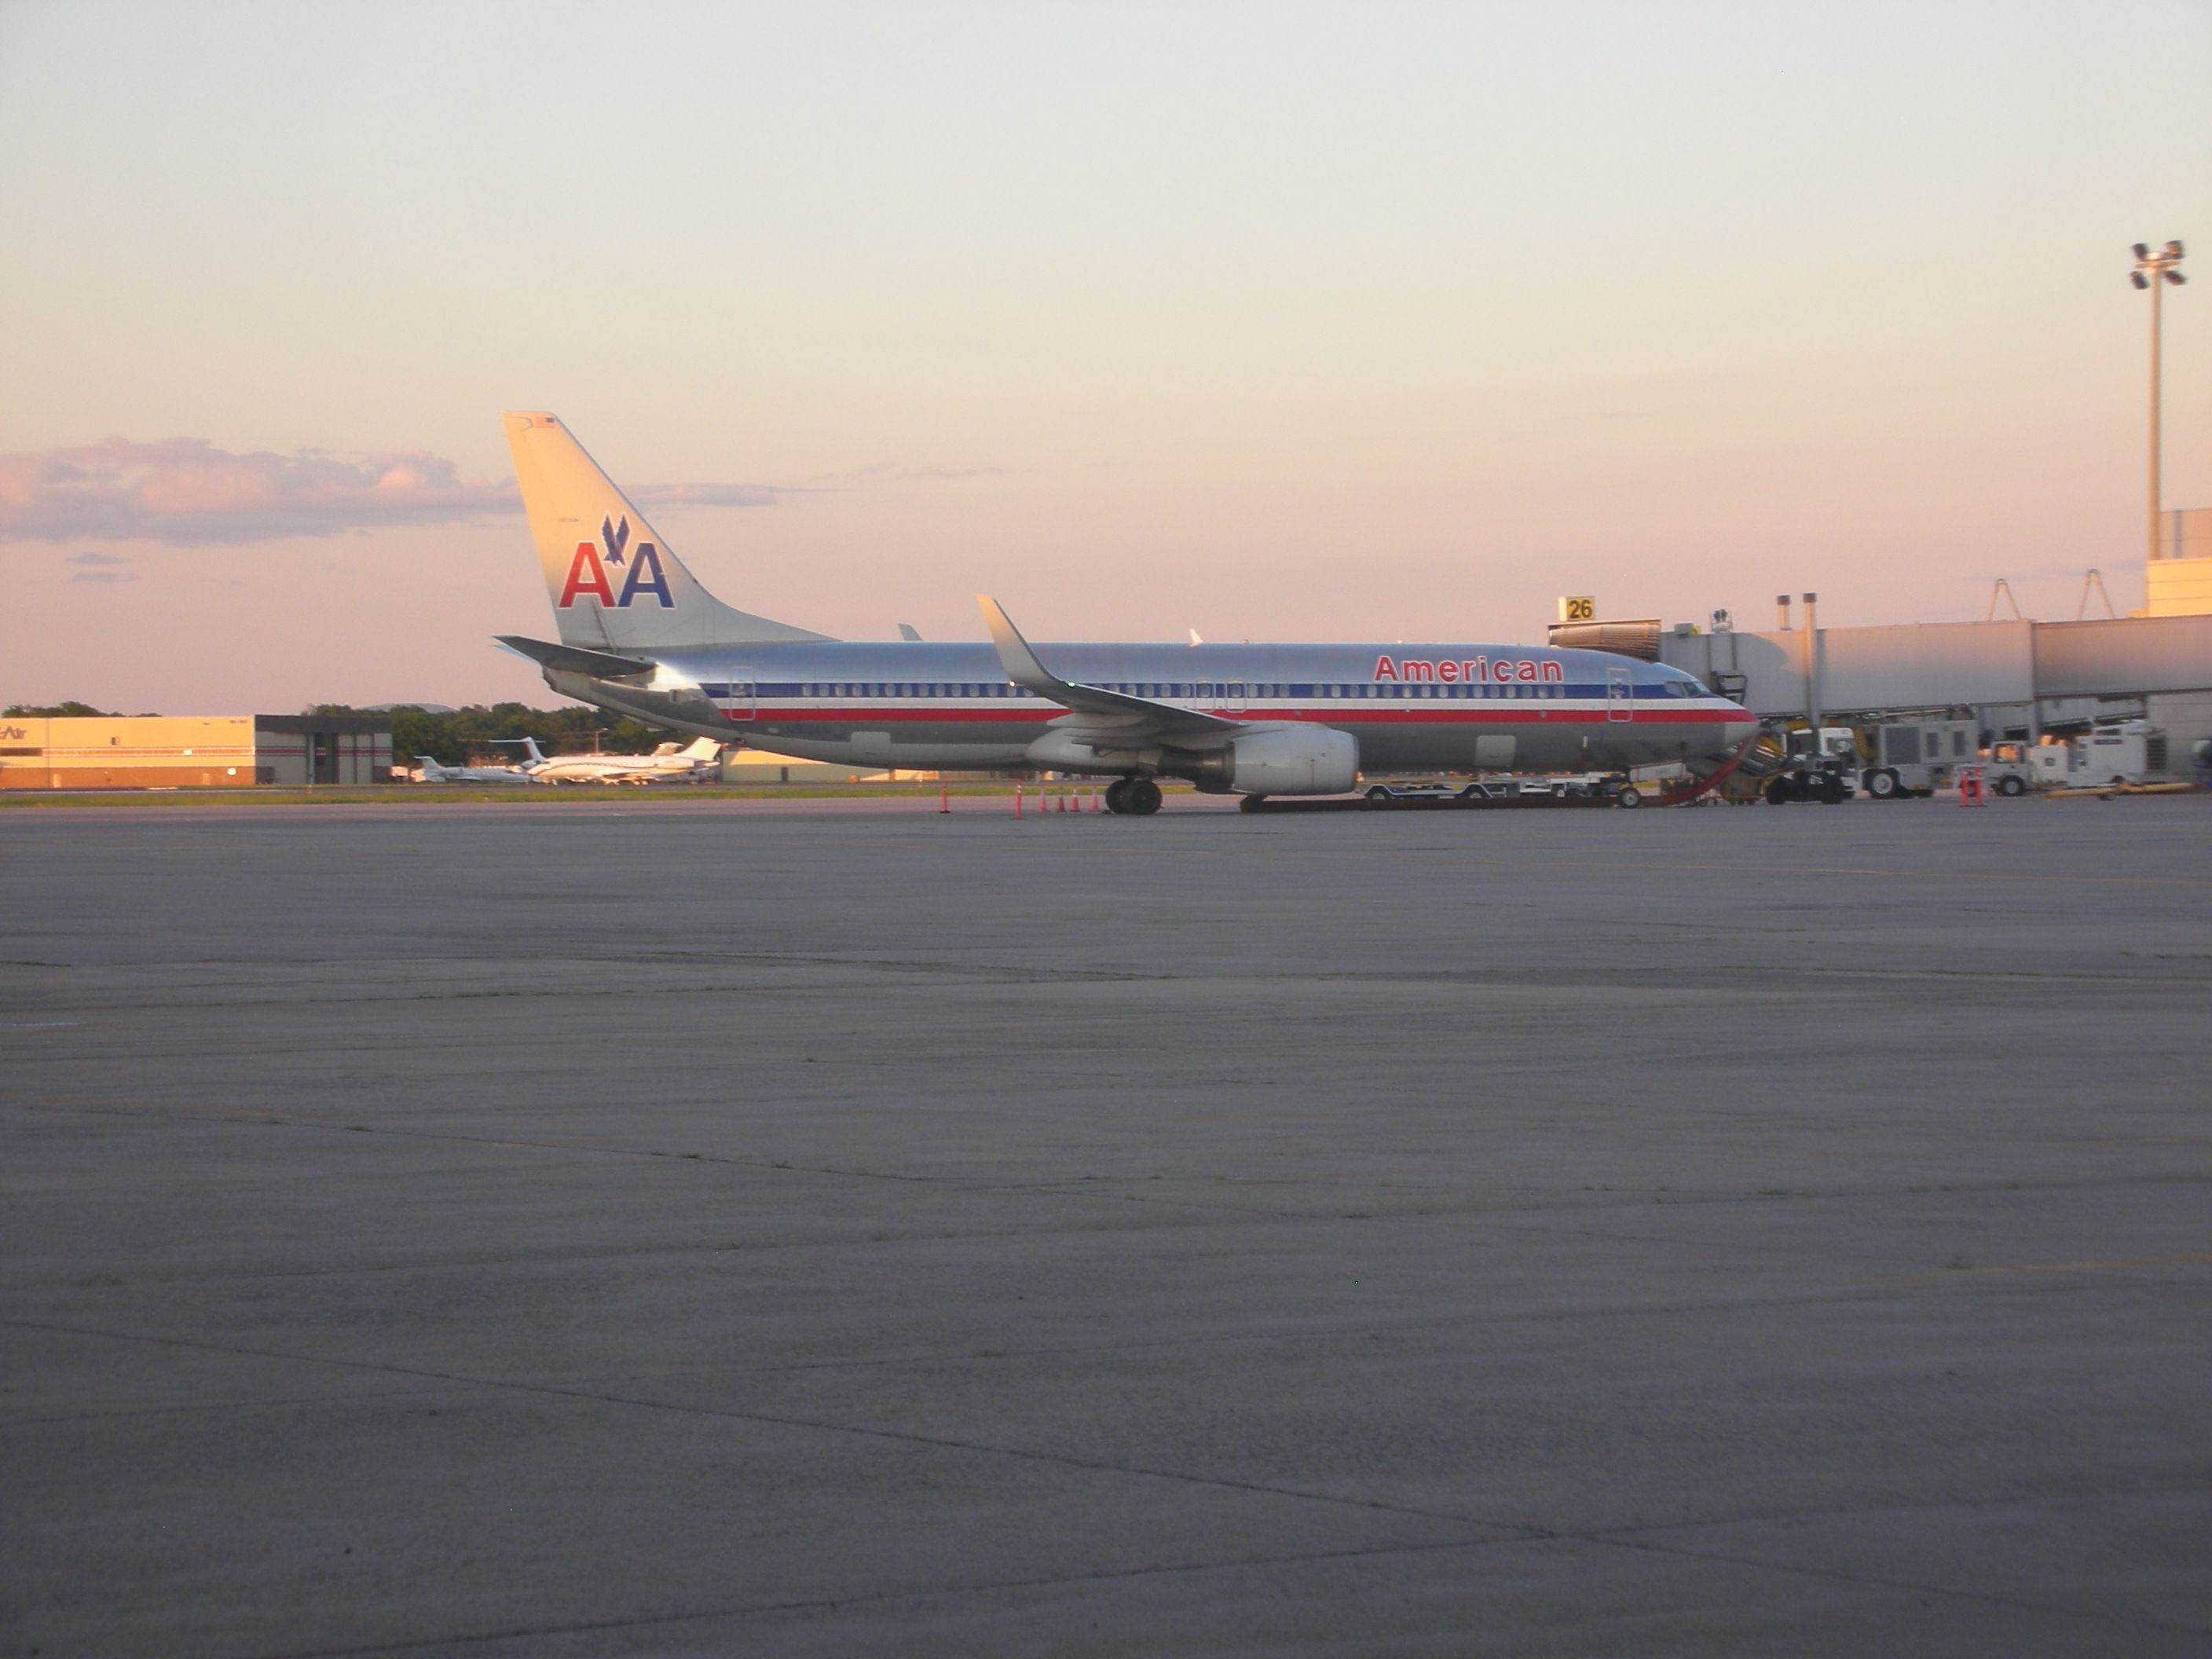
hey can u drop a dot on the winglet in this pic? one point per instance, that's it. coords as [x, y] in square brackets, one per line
[1022, 669]
[1015, 656]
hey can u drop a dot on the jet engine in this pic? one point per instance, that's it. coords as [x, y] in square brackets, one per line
[1281, 760]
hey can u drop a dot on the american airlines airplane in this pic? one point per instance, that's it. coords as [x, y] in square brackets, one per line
[639, 635]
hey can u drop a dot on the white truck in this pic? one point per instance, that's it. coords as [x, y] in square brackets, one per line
[2130, 752]
[1918, 757]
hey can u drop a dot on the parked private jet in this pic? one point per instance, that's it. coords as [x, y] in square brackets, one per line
[666, 764]
[639, 635]
[434, 773]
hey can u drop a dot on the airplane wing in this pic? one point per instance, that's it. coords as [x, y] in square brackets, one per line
[1135, 713]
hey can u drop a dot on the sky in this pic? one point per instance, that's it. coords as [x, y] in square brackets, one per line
[1278, 321]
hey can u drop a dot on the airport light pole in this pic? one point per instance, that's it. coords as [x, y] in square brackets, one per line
[2154, 271]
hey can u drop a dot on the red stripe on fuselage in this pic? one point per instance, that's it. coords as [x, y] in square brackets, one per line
[961, 715]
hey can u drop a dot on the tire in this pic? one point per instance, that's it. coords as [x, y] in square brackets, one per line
[1378, 796]
[1882, 785]
[1252, 804]
[1143, 797]
[2011, 786]
[1117, 795]
[1629, 799]
[1833, 793]
[1779, 794]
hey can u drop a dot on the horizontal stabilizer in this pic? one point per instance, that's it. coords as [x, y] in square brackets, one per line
[575, 659]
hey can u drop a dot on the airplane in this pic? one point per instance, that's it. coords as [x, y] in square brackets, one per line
[639, 635]
[666, 764]
[434, 773]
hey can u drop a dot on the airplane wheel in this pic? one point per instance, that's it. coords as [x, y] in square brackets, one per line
[1378, 796]
[1630, 796]
[1142, 797]
[1251, 803]
[1117, 795]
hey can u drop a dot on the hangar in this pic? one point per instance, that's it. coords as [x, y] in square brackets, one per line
[193, 751]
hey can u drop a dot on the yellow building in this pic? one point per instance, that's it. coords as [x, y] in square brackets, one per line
[2178, 581]
[188, 752]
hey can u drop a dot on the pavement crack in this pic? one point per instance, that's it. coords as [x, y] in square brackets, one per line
[903, 1436]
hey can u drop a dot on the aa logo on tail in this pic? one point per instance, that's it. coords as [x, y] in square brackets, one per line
[642, 574]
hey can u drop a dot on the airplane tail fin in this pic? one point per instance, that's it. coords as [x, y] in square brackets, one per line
[614, 583]
[705, 750]
[532, 754]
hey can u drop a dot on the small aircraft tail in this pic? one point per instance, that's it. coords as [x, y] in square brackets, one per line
[614, 583]
[703, 751]
[532, 755]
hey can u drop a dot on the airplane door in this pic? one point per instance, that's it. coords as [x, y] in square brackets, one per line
[739, 705]
[1232, 696]
[1619, 694]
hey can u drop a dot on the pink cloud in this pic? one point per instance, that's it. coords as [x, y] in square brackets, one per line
[187, 492]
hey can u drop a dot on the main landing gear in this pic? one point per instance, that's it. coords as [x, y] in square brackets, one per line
[1135, 797]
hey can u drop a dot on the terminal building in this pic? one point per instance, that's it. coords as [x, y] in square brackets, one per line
[2022, 680]
[203, 751]
[2178, 580]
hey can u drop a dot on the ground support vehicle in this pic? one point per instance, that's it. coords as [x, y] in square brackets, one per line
[2131, 752]
[1779, 766]
[1827, 781]
[1918, 757]
[1576, 789]
[1415, 794]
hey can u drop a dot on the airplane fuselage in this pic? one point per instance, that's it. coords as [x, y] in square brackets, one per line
[950, 706]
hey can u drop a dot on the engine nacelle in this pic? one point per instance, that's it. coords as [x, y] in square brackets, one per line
[1281, 760]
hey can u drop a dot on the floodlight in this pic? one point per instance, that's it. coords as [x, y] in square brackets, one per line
[2150, 269]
